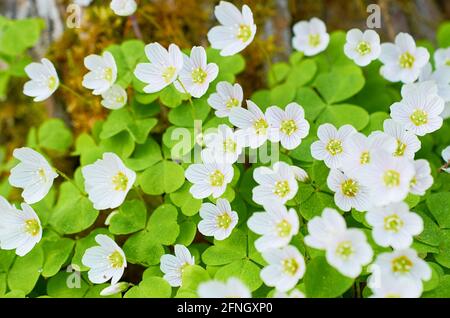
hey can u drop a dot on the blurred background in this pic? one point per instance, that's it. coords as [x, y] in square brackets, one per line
[185, 22]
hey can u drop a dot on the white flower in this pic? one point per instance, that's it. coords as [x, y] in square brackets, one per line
[402, 60]
[400, 288]
[422, 179]
[107, 181]
[217, 220]
[209, 178]
[225, 98]
[285, 267]
[232, 288]
[446, 156]
[394, 225]
[442, 58]
[123, 7]
[236, 31]
[288, 126]
[441, 77]
[276, 224]
[361, 47]
[115, 97]
[419, 109]
[173, 265]
[196, 73]
[33, 174]
[346, 249]
[398, 265]
[114, 289]
[310, 37]
[103, 72]
[225, 145]
[362, 148]
[106, 261]
[19, 229]
[295, 293]
[332, 144]
[349, 191]
[253, 124]
[407, 143]
[299, 174]
[389, 178]
[163, 69]
[43, 80]
[278, 184]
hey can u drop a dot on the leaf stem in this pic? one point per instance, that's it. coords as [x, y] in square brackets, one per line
[74, 92]
[190, 98]
[67, 178]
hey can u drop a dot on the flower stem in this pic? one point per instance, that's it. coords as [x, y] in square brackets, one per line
[135, 25]
[73, 92]
[66, 177]
[190, 97]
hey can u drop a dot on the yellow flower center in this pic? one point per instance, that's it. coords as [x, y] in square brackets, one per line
[350, 188]
[32, 227]
[281, 188]
[216, 178]
[419, 117]
[401, 264]
[229, 145]
[199, 75]
[116, 259]
[290, 266]
[224, 221]
[406, 60]
[244, 32]
[391, 178]
[232, 102]
[120, 182]
[365, 158]
[260, 126]
[314, 40]
[392, 295]
[401, 147]
[42, 175]
[168, 74]
[288, 127]
[393, 223]
[344, 249]
[334, 147]
[108, 74]
[120, 99]
[363, 48]
[284, 228]
[51, 84]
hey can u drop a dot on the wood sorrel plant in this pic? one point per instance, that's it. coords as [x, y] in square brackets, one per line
[333, 181]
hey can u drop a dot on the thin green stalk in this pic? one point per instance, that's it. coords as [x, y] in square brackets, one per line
[190, 98]
[66, 177]
[73, 92]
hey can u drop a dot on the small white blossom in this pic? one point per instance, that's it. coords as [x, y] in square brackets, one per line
[163, 68]
[442, 58]
[276, 224]
[446, 156]
[33, 174]
[225, 146]
[103, 72]
[19, 229]
[114, 289]
[106, 261]
[114, 98]
[349, 191]
[173, 265]
[196, 73]
[361, 47]
[440, 77]
[407, 143]
[217, 220]
[401, 288]
[289, 126]
[225, 98]
[123, 7]
[43, 80]
[286, 266]
[236, 31]
[422, 179]
[232, 288]
[107, 181]
[310, 37]
[278, 184]
[332, 146]
[394, 225]
[402, 60]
